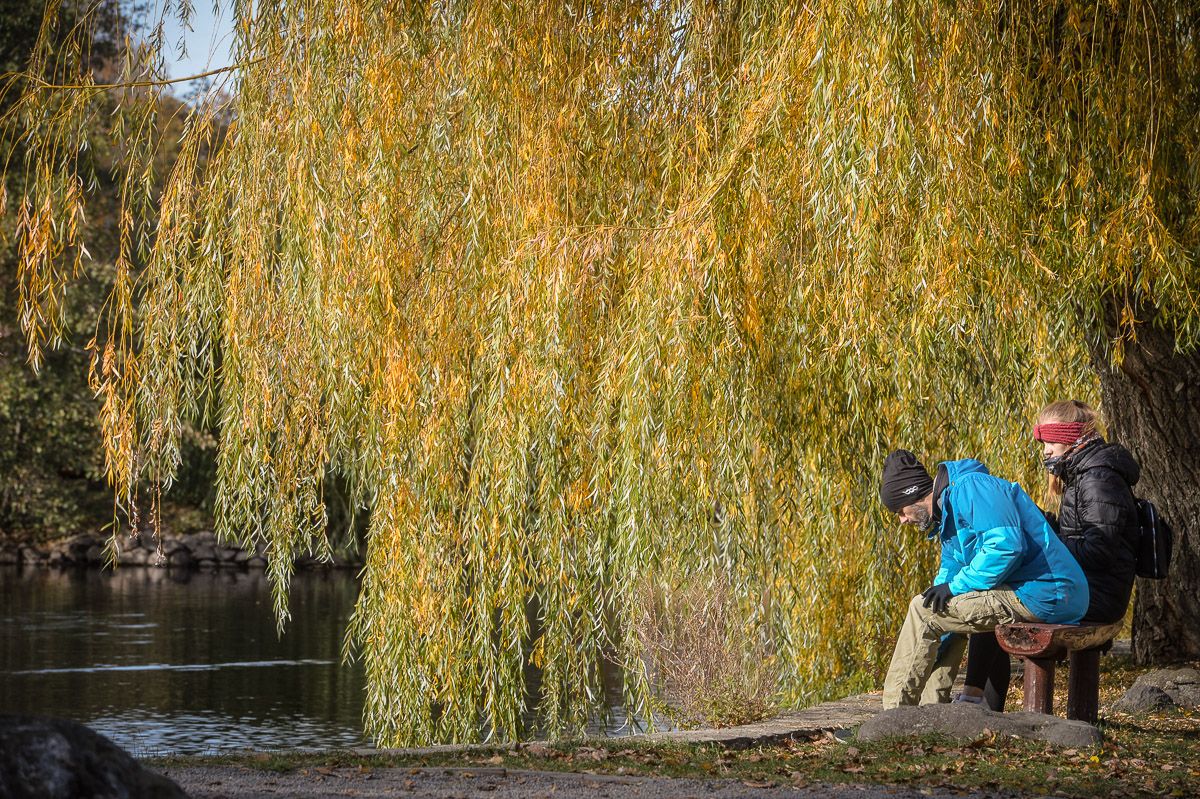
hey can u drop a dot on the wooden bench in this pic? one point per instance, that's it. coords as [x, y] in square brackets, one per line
[1042, 645]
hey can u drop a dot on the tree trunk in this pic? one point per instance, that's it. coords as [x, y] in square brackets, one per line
[1152, 405]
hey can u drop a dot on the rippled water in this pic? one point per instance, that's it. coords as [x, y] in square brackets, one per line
[165, 661]
[181, 662]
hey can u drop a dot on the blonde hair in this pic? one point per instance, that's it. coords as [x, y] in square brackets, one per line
[1069, 412]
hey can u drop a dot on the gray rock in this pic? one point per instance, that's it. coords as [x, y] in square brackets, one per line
[9, 557]
[228, 554]
[257, 562]
[242, 556]
[968, 722]
[52, 758]
[1143, 699]
[172, 545]
[95, 554]
[77, 545]
[180, 558]
[1161, 689]
[136, 557]
[204, 538]
[204, 552]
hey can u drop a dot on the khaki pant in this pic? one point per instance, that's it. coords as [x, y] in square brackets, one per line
[940, 685]
[917, 647]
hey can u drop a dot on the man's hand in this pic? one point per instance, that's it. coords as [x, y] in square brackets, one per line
[937, 597]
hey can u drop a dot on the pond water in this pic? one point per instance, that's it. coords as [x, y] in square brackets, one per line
[180, 662]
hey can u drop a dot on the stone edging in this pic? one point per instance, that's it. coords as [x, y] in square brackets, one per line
[192, 551]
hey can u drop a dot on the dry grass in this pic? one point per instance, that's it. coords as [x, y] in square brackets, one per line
[709, 667]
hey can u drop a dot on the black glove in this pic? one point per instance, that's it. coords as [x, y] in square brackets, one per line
[937, 597]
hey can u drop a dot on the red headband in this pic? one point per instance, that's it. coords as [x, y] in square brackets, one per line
[1059, 432]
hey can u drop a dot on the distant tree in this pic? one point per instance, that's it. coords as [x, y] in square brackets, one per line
[578, 296]
[52, 475]
[51, 456]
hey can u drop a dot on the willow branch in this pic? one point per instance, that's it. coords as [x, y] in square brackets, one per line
[141, 83]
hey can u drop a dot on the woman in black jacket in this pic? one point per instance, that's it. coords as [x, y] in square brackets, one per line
[1097, 521]
[1098, 516]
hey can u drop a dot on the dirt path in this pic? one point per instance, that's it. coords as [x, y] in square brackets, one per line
[239, 782]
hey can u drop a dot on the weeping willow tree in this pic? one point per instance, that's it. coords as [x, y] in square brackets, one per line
[584, 296]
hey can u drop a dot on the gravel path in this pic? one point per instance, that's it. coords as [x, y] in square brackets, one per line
[238, 782]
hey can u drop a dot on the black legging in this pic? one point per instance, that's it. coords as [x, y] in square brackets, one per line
[989, 668]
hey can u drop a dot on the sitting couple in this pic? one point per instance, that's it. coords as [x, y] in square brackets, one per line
[1002, 558]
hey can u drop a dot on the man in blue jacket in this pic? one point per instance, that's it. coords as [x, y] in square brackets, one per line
[1001, 563]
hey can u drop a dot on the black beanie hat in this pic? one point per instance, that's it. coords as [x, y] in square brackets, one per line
[904, 482]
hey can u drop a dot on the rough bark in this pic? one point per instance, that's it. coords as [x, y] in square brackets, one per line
[1152, 405]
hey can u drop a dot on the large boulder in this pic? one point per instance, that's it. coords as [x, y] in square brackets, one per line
[1162, 689]
[968, 722]
[51, 758]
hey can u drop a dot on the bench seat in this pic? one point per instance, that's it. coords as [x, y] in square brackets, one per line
[1042, 645]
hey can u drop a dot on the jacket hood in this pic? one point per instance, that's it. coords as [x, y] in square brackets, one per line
[957, 469]
[1108, 455]
[953, 470]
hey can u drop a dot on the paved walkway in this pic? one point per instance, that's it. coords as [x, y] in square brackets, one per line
[841, 714]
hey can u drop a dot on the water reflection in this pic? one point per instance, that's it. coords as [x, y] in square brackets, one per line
[165, 661]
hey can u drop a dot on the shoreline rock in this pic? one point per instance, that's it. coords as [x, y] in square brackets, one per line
[194, 551]
[51, 758]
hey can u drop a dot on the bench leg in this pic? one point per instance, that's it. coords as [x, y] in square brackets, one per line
[1039, 685]
[1083, 685]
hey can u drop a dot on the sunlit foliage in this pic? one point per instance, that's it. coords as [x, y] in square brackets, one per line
[579, 295]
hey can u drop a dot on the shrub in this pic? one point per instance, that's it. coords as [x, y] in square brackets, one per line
[708, 665]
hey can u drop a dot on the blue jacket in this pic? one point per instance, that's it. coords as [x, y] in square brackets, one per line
[993, 534]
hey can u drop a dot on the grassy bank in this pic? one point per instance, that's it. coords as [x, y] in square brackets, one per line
[1142, 756]
[1145, 758]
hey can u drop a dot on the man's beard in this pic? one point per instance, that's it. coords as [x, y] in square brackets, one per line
[922, 519]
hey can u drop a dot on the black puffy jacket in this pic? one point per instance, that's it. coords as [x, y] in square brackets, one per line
[1098, 521]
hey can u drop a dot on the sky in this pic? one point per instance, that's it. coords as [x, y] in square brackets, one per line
[208, 43]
